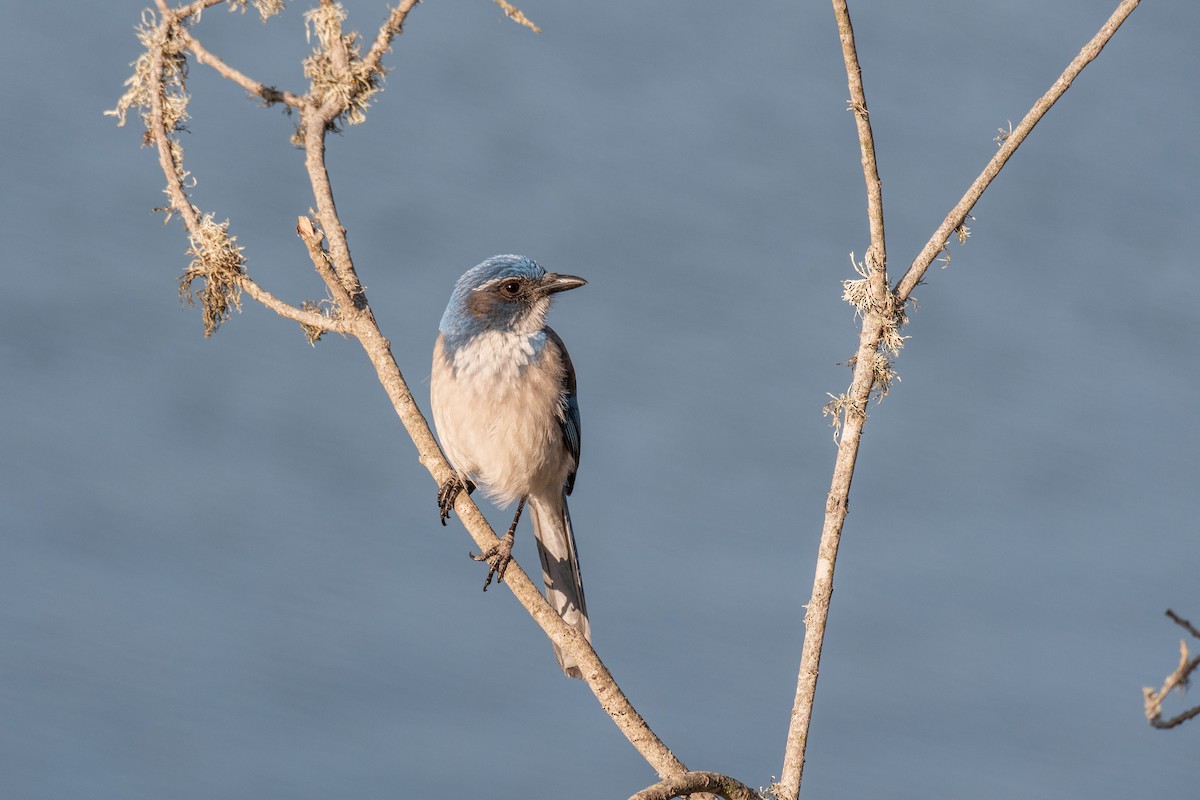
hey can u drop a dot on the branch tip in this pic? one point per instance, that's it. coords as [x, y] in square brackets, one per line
[515, 14]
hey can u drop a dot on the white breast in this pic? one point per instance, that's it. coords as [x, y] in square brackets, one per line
[498, 412]
[497, 356]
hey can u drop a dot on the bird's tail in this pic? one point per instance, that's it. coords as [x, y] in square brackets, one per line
[560, 569]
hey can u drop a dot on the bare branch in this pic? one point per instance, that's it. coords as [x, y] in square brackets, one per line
[1011, 142]
[307, 318]
[882, 314]
[1176, 680]
[866, 139]
[691, 782]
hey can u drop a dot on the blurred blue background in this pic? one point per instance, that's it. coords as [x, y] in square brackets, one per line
[222, 572]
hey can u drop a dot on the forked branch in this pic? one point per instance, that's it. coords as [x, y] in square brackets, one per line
[882, 312]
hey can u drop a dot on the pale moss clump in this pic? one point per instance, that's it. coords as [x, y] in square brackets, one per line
[857, 293]
[217, 260]
[837, 408]
[265, 8]
[142, 84]
[892, 317]
[335, 67]
[328, 309]
[164, 55]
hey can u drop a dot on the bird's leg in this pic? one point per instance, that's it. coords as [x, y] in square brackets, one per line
[501, 551]
[448, 493]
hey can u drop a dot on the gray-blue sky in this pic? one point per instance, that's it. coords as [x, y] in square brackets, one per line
[219, 554]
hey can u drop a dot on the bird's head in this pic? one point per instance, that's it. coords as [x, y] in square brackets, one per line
[504, 293]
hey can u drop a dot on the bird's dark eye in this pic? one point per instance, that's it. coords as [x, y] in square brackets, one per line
[510, 288]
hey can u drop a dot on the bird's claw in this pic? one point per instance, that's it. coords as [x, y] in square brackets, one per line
[498, 557]
[448, 492]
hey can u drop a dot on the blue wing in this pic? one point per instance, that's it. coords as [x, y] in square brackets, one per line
[570, 419]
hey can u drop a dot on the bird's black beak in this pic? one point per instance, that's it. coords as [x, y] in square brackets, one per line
[553, 282]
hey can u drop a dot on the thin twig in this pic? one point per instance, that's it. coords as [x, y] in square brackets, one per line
[309, 319]
[1183, 623]
[269, 94]
[516, 15]
[959, 213]
[390, 29]
[1178, 679]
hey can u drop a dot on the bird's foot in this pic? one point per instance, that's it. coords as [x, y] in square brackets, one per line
[448, 492]
[498, 557]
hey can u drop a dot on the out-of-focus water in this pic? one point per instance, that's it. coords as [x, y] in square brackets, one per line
[222, 573]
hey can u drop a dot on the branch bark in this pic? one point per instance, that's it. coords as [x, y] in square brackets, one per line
[689, 783]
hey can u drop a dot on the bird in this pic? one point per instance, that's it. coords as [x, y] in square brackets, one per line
[503, 394]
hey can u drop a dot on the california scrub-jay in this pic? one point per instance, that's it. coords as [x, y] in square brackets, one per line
[503, 397]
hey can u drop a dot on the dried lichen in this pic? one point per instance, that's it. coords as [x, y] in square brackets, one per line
[142, 84]
[858, 293]
[335, 68]
[265, 8]
[1003, 134]
[164, 51]
[217, 260]
[962, 231]
[883, 374]
[328, 309]
[836, 409]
